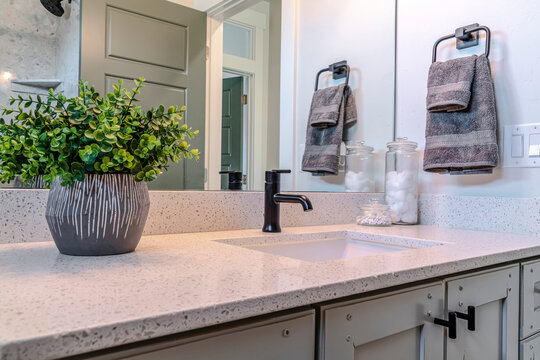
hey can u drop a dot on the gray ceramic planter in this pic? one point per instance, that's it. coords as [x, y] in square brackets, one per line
[102, 215]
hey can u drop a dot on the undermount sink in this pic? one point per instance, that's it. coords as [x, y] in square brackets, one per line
[325, 246]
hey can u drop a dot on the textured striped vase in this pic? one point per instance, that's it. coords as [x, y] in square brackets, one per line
[102, 215]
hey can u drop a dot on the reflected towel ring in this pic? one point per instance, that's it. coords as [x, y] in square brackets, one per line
[339, 70]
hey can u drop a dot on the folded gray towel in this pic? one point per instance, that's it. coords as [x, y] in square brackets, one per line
[325, 106]
[334, 105]
[449, 84]
[465, 142]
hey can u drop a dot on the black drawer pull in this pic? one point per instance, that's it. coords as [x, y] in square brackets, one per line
[470, 317]
[450, 324]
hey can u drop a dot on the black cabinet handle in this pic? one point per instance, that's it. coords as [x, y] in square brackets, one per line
[470, 317]
[450, 324]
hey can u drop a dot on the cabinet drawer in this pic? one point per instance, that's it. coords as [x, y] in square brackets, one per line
[290, 337]
[398, 325]
[530, 298]
[530, 348]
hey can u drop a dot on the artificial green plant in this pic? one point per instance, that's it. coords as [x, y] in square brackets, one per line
[61, 138]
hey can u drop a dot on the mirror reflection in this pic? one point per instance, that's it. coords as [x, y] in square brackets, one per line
[246, 75]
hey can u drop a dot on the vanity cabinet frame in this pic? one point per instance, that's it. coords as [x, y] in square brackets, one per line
[530, 298]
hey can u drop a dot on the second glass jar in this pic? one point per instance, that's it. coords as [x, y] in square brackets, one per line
[359, 162]
[401, 183]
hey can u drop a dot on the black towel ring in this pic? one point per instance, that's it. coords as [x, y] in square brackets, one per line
[339, 70]
[465, 38]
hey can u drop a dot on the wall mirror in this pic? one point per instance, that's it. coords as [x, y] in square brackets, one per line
[244, 69]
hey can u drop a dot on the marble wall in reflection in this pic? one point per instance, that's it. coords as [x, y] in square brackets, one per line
[36, 45]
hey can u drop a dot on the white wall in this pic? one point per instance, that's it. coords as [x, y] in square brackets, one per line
[361, 32]
[515, 56]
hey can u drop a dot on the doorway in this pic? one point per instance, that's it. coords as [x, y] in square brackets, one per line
[246, 53]
[234, 125]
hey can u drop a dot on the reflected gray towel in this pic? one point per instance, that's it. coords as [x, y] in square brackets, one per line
[331, 110]
[465, 142]
[449, 84]
[326, 105]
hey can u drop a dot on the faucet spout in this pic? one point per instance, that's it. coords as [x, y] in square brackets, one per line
[289, 198]
[273, 198]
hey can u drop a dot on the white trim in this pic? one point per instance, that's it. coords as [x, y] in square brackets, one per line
[250, 17]
[239, 64]
[214, 85]
[229, 8]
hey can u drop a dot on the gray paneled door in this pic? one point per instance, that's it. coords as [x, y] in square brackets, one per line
[163, 42]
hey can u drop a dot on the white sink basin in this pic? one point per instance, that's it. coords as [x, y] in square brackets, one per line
[317, 247]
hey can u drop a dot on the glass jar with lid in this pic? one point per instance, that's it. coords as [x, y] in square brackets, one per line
[401, 182]
[359, 162]
[374, 214]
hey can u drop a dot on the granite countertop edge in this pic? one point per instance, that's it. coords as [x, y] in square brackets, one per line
[61, 340]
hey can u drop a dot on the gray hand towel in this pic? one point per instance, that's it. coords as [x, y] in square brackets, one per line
[323, 140]
[325, 107]
[465, 142]
[449, 84]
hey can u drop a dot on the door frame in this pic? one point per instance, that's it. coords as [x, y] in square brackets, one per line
[214, 85]
[215, 66]
[257, 73]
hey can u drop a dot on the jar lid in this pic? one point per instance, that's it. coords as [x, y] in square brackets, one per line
[402, 141]
[375, 204]
[358, 145]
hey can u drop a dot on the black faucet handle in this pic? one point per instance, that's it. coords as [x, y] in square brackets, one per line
[273, 176]
[285, 171]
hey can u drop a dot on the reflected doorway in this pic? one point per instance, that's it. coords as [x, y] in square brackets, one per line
[234, 125]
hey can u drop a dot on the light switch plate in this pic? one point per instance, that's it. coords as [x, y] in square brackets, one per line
[521, 145]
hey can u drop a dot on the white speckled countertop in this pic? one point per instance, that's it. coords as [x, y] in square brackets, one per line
[53, 305]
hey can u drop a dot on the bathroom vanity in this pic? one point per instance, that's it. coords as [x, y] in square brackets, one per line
[326, 292]
[245, 295]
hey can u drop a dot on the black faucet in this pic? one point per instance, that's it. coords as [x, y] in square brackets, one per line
[272, 199]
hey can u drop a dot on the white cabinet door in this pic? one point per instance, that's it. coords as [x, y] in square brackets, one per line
[289, 337]
[530, 298]
[398, 325]
[495, 296]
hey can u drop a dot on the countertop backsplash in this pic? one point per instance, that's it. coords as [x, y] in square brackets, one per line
[23, 212]
[174, 212]
[499, 214]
